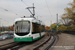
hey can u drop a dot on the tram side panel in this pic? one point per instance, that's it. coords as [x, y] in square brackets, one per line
[42, 30]
[36, 31]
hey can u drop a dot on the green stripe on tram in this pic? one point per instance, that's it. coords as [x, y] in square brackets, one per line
[26, 39]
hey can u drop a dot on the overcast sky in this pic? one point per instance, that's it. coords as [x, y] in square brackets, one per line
[46, 10]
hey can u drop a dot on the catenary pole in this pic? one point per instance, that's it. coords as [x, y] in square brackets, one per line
[57, 21]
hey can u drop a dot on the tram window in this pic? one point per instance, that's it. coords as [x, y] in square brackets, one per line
[42, 28]
[35, 28]
[22, 26]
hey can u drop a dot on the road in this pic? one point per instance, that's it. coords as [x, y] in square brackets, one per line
[65, 42]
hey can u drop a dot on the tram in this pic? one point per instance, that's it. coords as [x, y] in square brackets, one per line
[28, 29]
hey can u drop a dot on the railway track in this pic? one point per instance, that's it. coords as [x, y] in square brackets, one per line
[6, 44]
[9, 45]
[52, 43]
[18, 46]
[46, 45]
[12, 46]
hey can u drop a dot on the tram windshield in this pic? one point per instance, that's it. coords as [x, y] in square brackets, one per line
[22, 26]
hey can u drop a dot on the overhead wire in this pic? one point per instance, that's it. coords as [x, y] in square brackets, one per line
[24, 2]
[28, 5]
[10, 11]
[48, 7]
[4, 9]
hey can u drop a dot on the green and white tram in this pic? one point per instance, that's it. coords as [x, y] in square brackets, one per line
[28, 30]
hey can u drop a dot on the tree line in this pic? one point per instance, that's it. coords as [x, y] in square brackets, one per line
[67, 20]
[10, 28]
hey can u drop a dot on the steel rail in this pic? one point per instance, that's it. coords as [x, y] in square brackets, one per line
[6, 44]
[36, 47]
[5, 47]
[17, 47]
[53, 42]
[57, 38]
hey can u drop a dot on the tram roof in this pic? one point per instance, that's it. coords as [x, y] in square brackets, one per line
[28, 19]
